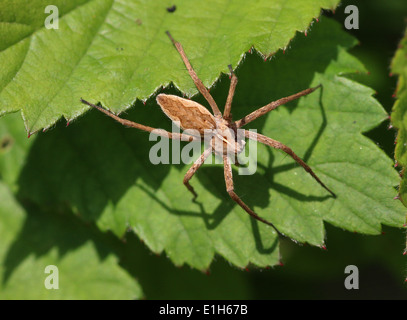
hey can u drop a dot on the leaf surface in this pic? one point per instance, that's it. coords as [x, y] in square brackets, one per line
[398, 115]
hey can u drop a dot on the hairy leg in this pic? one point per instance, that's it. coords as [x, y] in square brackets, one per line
[198, 83]
[197, 164]
[231, 190]
[128, 123]
[233, 83]
[271, 106]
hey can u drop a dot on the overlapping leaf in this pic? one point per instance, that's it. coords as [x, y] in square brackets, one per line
[399, 67]
[398, 116]
[116, 51]
[102, 170]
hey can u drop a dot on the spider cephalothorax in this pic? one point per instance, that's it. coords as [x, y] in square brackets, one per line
[223, 135]
[227, 140]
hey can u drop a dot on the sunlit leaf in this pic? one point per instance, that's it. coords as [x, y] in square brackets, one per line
[116, 51]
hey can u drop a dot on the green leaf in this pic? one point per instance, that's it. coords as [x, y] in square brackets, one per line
[398, 119]
[399, 66]
[117, 51]
[31, 240]
[102, 170]
[14, 147]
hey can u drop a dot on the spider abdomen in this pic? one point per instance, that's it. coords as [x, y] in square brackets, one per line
[187, 113]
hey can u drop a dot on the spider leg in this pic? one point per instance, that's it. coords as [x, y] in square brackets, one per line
[271, 106]
[230, 189]
[278, 145]
[128, 123]
[197, 164]
[237, 163]
[198, 83]
[233, 83]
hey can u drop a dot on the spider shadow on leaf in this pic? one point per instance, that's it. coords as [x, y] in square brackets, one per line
[212, 220]
[270, 170]
[308, 152]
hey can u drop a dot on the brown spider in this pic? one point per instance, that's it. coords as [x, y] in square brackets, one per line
[192, 115]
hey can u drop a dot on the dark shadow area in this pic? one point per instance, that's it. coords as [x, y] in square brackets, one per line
[313, 273]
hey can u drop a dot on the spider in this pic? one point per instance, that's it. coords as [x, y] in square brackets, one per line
[224, 140]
